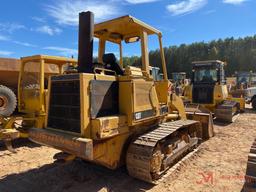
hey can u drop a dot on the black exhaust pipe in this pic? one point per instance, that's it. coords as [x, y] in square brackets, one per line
[85, 42]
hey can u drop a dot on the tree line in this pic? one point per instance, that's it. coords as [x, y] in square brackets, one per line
[240, 55]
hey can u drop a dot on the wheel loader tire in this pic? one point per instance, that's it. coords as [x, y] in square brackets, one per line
[8, 101]
[254, 103]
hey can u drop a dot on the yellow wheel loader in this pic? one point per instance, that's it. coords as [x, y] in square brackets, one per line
[208, 92]
[110, 115]
[32, 95]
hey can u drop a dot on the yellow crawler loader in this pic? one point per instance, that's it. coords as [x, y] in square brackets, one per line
[208, 92]
[110, 115]
[32, 95]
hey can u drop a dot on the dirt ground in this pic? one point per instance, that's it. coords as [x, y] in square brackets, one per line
[218, 166]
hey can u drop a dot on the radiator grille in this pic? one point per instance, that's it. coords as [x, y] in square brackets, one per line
[64, 108]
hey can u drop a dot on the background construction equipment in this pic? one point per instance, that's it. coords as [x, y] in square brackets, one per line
[32, 89]
[209, 89]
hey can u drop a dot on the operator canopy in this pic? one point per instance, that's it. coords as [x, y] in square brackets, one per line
[122, 28]
[125, 28]
[208, 63]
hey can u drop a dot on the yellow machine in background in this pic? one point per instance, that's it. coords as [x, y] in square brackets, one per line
[209, 90]
[180, 82]
[32, 95]
[9, 75]
[244, 80]
[114, 116]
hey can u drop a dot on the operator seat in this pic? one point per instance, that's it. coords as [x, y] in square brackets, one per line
[109, 60]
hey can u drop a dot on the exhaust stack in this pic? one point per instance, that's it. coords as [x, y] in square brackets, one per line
[85, 42]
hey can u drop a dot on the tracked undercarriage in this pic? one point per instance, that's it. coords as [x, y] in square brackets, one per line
[227, 111]
[250, 177]
[153, 153]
